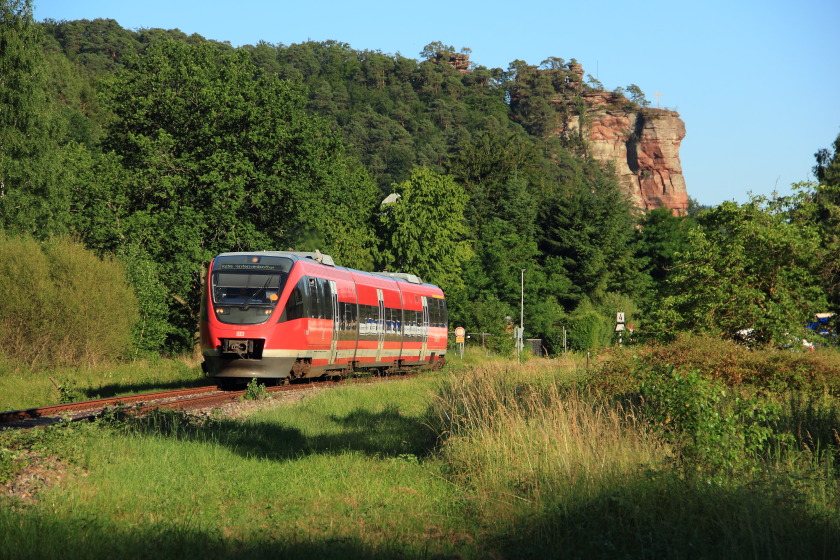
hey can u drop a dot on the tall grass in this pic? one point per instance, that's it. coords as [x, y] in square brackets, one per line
[519, 440]
[551, 470]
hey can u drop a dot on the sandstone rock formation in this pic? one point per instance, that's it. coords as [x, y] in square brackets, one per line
[459, 61]
[642, 144]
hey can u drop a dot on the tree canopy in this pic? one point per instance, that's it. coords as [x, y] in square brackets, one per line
[749, 272]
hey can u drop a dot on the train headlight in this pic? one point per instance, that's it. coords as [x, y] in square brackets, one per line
[220, 311]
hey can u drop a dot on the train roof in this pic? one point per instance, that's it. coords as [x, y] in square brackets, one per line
[316, 256]
[327, 260]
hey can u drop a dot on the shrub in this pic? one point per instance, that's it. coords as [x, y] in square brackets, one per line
[712, 430]
[27, 293]
[150, 331]
[725, 407]
[62, 305]
[589, 329]
[725, 361]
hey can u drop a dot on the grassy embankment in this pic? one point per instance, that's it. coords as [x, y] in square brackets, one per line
[630, 459]
[24, 387]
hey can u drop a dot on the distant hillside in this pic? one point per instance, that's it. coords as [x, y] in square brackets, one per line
[396, 113]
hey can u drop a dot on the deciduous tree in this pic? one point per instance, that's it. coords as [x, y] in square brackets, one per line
[750, 271]
[222, 156]
[32, 198]
[423, 232]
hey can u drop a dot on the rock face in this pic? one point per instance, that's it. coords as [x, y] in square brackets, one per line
[459, 61]
[642, 144]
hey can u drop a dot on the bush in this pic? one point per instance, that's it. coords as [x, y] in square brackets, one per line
[725, 361]
[725, 407]
[62, 305]
[712, 430]
[589, 329]
[150, 331]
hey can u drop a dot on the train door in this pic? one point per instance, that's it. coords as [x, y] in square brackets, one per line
[380, 325]
[336, 317]
[425, 329]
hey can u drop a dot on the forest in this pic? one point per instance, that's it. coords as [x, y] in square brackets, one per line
[135, 156]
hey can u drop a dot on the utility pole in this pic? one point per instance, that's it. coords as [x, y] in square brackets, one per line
[520, 340]
[522, 303]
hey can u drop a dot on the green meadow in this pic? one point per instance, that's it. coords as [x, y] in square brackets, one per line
[630, 458]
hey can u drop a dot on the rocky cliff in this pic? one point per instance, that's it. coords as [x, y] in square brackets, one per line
[643, 145]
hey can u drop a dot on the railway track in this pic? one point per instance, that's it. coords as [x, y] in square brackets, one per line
[84, 410]
[179, 399]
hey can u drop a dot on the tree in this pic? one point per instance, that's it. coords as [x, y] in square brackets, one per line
[594, 82]
[821, 205]
[827, 169]
[750, 270]
[660, 237]
[32, 199]
[435, 50]
[553, 63]
[586, 234]
[221, 156]
[423, 232]
[637, 95]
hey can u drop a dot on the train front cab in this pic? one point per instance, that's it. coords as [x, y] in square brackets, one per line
[240, 298]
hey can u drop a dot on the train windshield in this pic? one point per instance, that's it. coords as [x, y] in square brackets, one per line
[246, 288]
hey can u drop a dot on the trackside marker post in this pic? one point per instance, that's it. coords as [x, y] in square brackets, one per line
[460, 333]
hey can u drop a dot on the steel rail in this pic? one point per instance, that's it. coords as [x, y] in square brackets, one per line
[179, 399]
[58, 409]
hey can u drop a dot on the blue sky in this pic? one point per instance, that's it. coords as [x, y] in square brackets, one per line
[756, 82]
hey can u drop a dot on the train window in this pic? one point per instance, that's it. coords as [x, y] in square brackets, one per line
[246, 288]
[392, 323]
[320, 298]
[395, 320]
[296, 307]
[437, 312]
[316, 306]
[325, 291]
[368, 321]
[417, 323]
[348, 322]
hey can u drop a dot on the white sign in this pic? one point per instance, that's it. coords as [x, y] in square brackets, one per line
[459, 331]
[619, 317]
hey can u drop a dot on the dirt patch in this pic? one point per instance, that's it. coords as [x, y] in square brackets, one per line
[37, 473]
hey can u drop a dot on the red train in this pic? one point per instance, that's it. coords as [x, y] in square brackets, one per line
[285, 315]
